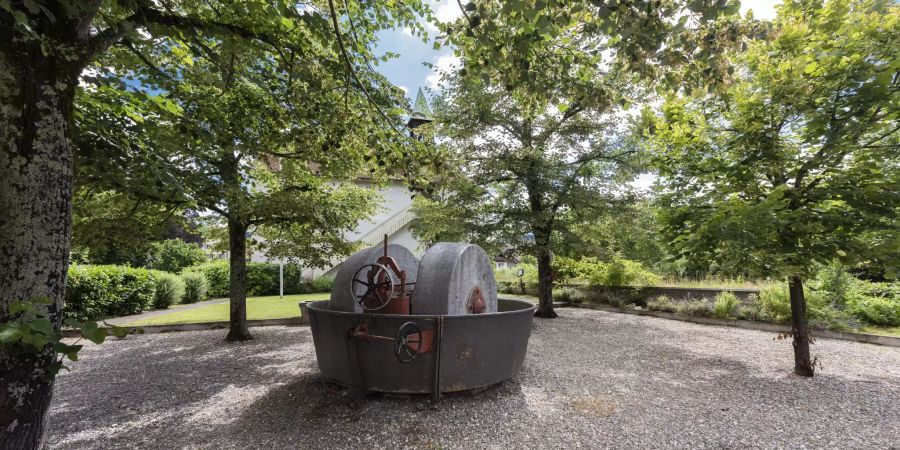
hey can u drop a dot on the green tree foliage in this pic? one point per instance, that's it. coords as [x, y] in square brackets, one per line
[111, 227]
[136, 53]
[172, 255]
[527, 175]
[540, 46]
[536, 87]
[796, 161]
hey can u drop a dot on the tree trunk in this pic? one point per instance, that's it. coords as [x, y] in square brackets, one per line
[545, 284]
[802, 362]
[237, 286]
[36, 176]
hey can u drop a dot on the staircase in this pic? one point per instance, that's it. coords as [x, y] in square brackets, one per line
[375, 236]
[390, 226]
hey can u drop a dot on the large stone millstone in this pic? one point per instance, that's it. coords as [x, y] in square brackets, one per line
[341, 296]
[448, 275]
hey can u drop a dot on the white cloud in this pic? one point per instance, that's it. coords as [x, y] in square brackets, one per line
[444, 64]
[447, 11]
[404, 89]
[407, 31]
[444, 11]
[644, 181]
[762, 9]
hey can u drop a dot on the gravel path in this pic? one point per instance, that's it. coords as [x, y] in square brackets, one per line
[592, 379]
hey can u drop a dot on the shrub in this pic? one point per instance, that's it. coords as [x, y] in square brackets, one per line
[215, 274]
[294, 283]
[97, 292]
[752, 309]
[620, 273]
[877, 311]
[322, 284]
[173, 255]
[725, 305]
[568, 294]
[195, 287]
[836, 284]
[511, 274]
[168, 289]
[776, 304]
[698, 308]
[262, 279]
[662, 303]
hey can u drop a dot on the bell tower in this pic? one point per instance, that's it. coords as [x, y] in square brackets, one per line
[421, 114]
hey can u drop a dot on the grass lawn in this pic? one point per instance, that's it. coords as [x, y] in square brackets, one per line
[258, 308]
[885, 331]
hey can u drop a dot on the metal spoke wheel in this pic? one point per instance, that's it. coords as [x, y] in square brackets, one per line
[373, 286]
[408, 342]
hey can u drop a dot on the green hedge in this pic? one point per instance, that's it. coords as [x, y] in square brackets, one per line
[96, 292]
[262, 279]
[168, 289]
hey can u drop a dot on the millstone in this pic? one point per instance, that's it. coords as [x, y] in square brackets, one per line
[448, 277]
[341, 297]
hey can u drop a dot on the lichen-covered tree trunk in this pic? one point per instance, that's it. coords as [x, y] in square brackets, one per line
[36, 176]
[802, 361]
[237, 286]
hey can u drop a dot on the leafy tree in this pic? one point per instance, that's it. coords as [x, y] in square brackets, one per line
[796, 161]
[172, 255]
[112, 227]
[551, 70]
[45, 48]
[529, 172]
[630, 231]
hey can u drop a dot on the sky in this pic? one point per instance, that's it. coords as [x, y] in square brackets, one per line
[409, 71]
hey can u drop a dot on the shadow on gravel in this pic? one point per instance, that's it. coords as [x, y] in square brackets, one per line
[589, 379]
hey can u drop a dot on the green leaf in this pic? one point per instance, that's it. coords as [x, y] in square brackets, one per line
[10, 333]
[810, 68]
[42, 326]
[93, 333]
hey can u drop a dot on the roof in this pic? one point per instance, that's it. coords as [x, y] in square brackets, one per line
[421, 113]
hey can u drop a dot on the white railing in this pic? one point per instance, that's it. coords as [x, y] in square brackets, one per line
[376, 235]
[388, 227]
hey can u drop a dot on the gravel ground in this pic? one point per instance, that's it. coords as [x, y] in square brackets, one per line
[592, 379]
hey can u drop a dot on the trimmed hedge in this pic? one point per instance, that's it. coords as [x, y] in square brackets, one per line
[96, 292]
[262, 279]
[195, 287]
[168, 289]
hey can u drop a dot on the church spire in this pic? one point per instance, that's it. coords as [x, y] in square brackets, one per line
[421, 113]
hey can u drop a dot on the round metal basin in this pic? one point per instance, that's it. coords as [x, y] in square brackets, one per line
[467, 351]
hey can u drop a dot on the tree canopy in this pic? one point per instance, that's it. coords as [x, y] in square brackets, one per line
[796, 161]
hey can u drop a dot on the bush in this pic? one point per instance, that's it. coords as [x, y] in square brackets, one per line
[776, 304]
[195, 287]
[698, 308]
[877, 311]
[97, 292]
[837, 285]
[620, 273]
[725, 305]
[322, 284]
[262, 279]
[662, 303]
[215, 274]
[752, 309]
[168, 289]
[174, 255]
[568, 294]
